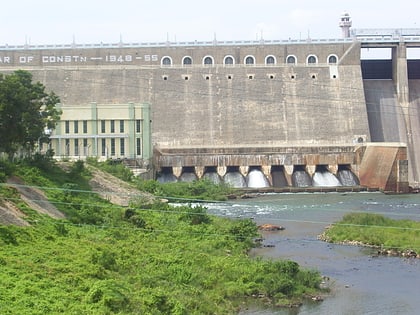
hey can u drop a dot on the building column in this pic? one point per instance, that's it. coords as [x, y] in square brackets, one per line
[147, 131]
[94, 125]
[132, 136]
[400, 72]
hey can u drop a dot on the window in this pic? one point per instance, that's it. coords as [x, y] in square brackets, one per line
[291, 60]
[229, 61]
[138, 125]
[208, 61]
[85, 126]
[76, 126]
[103, 126]
[138, 146]
[122, 147]
[121, 126]
[67, 126]
[249, 60]
[166, 61]
[112, 147]
[76, 146]
[311, 59]
[112, 125]
[103, 145]
[270, 60]
[187, 61]
[332, 59]
[67, 147]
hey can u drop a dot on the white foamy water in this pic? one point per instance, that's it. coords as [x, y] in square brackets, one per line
[235, 179]
[301, 179]
[213, 177]
[188, 177]
[325, 179]
[167, 178]
[257, 179]
[347, 178]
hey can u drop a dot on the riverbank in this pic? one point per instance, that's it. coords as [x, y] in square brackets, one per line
[389, 237]
[356, 273]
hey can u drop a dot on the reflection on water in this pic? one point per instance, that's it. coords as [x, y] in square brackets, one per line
[361, 283]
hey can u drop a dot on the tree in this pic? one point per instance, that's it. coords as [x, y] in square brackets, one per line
[26, 110]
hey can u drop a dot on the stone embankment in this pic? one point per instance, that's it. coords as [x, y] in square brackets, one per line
[407, 253]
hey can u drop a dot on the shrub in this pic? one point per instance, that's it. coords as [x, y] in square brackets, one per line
[110, 294]
[195, 215]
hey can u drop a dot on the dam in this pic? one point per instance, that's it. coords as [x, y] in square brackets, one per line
[287, 109]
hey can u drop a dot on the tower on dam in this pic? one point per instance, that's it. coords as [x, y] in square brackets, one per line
[294, 111]
[345, 25]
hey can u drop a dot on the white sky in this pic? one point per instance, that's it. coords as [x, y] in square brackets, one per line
[95, 21]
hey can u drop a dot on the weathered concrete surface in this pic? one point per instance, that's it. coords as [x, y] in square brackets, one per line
[256, 156]
[217, 105]
[244, 106]
[389, 121]
[385, 168]
[414, 133]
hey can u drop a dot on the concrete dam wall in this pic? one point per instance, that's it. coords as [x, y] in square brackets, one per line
[391, 121]
[231, 106]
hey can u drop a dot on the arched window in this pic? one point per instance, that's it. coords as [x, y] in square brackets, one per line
[312, 59]
[208, 61]
[187, 61]
[270, 60]
[249, 60]
[228, 60]
[291, 60]
[332, 59]
[166, 61]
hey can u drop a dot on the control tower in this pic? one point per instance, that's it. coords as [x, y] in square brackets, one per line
[345, 24]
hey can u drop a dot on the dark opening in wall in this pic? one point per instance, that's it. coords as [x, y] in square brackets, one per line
[165, 77]
[186, 78]
[380, 69]
[313, 76]
[207, 77]
[271, 77]
[292, 77]
[413, 66]
[229, 77]
[250, 77]
[334, 76]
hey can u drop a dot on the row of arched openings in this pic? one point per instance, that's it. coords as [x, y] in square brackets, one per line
[248, 60]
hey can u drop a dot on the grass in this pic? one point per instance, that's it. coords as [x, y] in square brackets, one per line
[141, 259]
[376, 230]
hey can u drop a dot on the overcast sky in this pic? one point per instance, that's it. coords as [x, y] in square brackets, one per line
[95, 21]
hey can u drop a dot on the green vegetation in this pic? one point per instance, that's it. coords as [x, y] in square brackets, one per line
[202, 189]
[25, 111]
[141, 259]
[377, 230]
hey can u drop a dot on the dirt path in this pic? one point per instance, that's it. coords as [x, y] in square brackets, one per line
[10, 214]
[107, 186]
[113, 189]
[35, 198]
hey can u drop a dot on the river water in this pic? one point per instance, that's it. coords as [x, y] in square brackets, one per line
[360, 282]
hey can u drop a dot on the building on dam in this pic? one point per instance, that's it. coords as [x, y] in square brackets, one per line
[254, 113]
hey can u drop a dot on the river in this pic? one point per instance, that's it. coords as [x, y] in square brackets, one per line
[360, 282]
